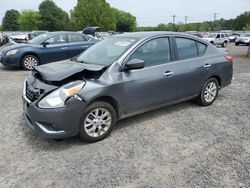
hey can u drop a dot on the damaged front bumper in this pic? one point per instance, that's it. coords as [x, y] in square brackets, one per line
[54, 123]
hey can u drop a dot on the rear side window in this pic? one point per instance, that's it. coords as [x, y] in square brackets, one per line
[58, 39]
[186, 48]
[201, 48]
[154, 52]
[76, 38]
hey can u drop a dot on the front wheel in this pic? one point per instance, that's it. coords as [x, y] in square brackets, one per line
[224, 44]
[209, 92]
[97, 122]
[29, 62]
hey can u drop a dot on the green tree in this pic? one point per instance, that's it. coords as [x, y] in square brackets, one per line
[1, 27]
[53, 18]
[125, 22]
[161, 27]
[93, 13]
[10, 20]
[241, 21]
[247, 27]
[29, 20]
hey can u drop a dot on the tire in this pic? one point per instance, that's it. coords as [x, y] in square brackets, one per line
[92, 128]
[29, 62]
[212, 42]
[208, 90]
[224, 44]
[236, 44]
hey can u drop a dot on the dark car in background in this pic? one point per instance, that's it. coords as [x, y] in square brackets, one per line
[119, 77]
[46, 48]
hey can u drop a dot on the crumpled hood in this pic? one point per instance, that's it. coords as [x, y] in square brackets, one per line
[61, 70]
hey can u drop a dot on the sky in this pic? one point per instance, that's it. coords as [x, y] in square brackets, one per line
[152, 12]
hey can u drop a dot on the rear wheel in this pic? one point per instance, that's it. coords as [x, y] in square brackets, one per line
[29, 62]
[209, 92]
[97, 122]
[236, 44]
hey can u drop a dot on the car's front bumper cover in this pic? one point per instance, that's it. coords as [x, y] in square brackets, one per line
[54, 123]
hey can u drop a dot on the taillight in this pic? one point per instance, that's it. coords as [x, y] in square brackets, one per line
[229, 58]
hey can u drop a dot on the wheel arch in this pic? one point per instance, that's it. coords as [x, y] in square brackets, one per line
[112, 101]
[217, 78]
[30, 53]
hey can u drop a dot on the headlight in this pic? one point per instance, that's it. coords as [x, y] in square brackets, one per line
[12, 52]
[57, 98]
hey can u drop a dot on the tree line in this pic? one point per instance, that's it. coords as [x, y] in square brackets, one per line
[241, 22]
[99, 13]
[86, 13]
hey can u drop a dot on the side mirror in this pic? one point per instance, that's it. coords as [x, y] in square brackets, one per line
[134, 64]
[45, 44]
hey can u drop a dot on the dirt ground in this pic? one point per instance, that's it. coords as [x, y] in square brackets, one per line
[179, 146]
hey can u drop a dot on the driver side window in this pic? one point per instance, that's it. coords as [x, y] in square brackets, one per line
[154, 52]
[58, 39]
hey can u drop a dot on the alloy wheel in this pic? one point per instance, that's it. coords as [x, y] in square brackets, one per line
[30, 62]
[97, 122]
[210, 92]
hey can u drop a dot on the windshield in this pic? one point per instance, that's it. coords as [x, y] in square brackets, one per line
[39, 39]
[107, 51]
[245, 35]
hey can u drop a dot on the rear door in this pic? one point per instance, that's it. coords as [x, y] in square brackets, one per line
[193, 67]
[77, 44]
[56, 50]
[155, 84]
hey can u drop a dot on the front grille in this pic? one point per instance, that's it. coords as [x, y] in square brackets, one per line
[31, 93]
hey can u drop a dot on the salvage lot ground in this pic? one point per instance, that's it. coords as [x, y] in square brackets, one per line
[180, 146]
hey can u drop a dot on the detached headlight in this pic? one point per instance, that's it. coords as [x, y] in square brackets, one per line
[57, 98]
[12, 52]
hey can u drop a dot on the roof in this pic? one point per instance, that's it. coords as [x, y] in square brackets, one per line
[142, 35]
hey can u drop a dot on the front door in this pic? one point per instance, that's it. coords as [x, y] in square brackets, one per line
[155, 84]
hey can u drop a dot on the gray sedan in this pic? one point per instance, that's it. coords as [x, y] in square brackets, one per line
[119, 77]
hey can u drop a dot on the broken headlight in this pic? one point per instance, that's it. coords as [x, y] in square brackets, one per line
[57, 98]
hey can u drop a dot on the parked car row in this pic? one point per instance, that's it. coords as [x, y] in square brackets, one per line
[46, 48]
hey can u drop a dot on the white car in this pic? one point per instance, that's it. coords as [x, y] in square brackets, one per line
[243, 39]
[217, 39]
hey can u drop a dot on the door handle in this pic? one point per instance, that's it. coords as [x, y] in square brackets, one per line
[64, 48]
[168, 74]
[207, 66]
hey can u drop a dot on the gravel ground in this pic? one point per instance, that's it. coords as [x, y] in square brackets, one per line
[180, 146]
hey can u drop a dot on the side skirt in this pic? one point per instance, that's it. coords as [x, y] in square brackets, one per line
[133, 113]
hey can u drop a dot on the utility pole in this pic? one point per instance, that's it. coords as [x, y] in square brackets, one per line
[186, 17]
[215, 16]
[174, 16]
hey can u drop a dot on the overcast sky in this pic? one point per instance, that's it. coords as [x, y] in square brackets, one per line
[152, 12]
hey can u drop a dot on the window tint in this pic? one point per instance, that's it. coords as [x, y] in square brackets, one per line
[154, 52]
[222, 36]
[76, 38]
[201, 48]
[58, 39]
[186, 48]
